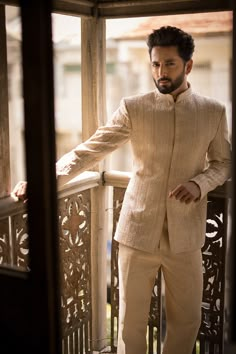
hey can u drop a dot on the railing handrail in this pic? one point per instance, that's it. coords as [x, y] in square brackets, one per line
[116, 178]
[90, 179]
[10, 205]
[86, 180]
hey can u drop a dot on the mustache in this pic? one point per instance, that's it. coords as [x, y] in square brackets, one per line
[164, 79]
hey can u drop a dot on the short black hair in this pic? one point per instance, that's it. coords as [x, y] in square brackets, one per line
[172, 36]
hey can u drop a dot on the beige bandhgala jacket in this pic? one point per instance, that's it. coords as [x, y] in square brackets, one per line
[172, 142]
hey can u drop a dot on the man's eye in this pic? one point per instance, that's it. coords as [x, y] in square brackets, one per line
[155, 65]
[170, 64]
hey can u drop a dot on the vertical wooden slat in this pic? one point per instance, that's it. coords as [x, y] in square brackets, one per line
[232, 248]
[194, 350]
[76, 342]
[81, 340]
[86, 336]
[38, 94]
[212, 348]
[4, 122]
[93, 114]
[160, 306]
[65, 346]
[202, 345]
[71, 344]
[150, 339]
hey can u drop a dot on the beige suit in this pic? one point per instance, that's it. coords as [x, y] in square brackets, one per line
[172, 142]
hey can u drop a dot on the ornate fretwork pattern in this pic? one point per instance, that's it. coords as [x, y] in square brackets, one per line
[211, 331]
[4, 242]
[14, 248]
[118, 196]
[20, 246]
[74, 232]
[154, 327]
[210, 338]
[114, 294]
[154, 321]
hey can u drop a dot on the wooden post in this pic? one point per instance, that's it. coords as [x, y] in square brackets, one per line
[37, 55]
[93, 48]
[4, 118]
[93, 115]
[232, 255]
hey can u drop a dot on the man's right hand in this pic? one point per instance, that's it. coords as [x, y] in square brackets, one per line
[20, 191]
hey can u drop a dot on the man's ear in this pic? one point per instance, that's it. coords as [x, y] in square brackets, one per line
[188, 66]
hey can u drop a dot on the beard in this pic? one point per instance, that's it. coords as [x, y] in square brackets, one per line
[171, 85]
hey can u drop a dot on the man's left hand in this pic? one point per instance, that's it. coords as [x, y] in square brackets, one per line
[186, 193]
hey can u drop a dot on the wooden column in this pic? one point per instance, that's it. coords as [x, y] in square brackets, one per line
[37, 55]
[232, 238]
[94, 114]
[4, 118]
[93, 47]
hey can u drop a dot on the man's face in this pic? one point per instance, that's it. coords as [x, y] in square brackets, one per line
[169, 71]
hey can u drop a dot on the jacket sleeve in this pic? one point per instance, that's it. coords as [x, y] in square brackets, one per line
[106, 139]
[218, 168]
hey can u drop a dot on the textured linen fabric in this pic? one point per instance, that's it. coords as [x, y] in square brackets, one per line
[183, 298]
[172, 142]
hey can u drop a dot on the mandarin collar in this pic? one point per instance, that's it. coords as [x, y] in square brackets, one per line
[169, 98]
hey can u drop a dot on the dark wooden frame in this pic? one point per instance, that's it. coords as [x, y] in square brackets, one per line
[30, 302]
[233, 241]
[38, 94]
[131, 8]
[41, 285]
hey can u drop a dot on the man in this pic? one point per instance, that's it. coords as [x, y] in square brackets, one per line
[181, 152]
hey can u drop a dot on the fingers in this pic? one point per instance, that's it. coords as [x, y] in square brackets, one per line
[182, 195]
[185, 193]
[20, 191]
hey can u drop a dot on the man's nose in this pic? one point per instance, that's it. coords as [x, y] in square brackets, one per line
[162, 71]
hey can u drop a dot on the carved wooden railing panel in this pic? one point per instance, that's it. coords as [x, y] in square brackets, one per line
[14, 247]
[210, 337]
[75, 247]
[20, 246]
[74, 219]
[212, 326]
[5, 257]
[155, 318]
[118, 196]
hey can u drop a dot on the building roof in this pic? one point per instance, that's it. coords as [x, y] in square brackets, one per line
[197, 24]
[67, 28]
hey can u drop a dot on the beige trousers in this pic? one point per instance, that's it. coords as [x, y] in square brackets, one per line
[183, 297]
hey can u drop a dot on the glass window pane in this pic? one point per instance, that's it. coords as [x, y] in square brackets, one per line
[15, 94]
[67, 76]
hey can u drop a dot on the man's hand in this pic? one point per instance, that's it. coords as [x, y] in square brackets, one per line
[186, 193]
[20, 191]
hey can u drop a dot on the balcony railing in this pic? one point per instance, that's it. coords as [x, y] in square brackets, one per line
[74, 215]
[211, 333]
